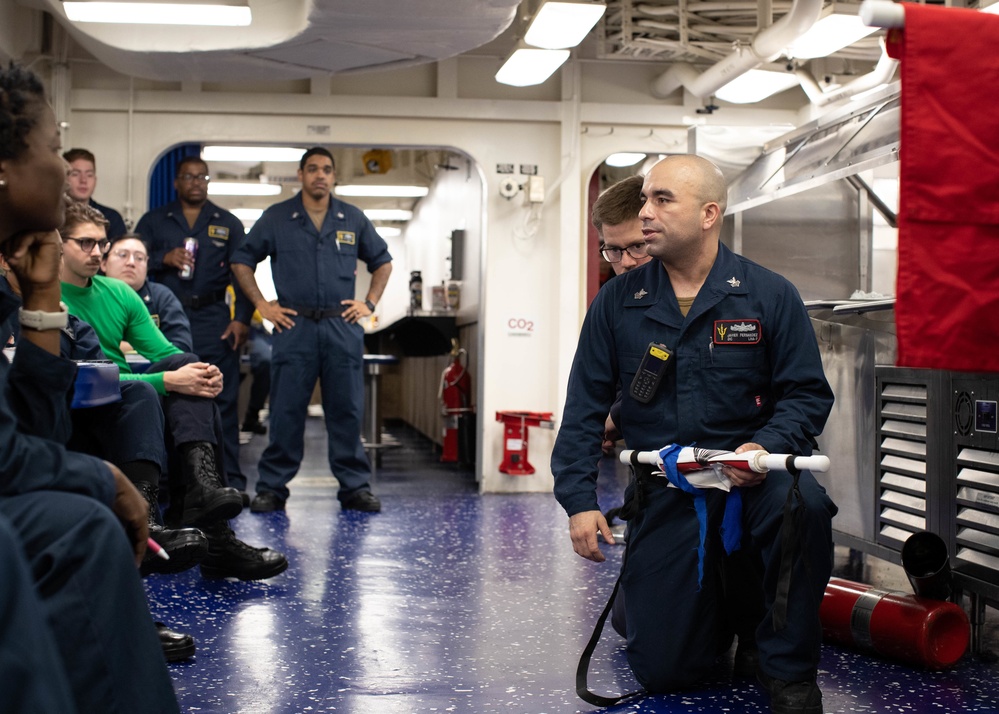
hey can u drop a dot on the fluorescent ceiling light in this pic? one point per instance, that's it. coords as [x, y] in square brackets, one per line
[526, 66]
[252, 154]
[243, 188]
[389, 231]
[624, 158]
[153, 13]
[380, 191]
[558, 24]
[247, 214]
[756, 84]
[840, 26]
[388, 214]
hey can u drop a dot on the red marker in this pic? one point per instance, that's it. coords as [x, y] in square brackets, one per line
[157, 548]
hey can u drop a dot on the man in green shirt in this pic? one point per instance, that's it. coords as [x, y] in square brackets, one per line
[188, 386]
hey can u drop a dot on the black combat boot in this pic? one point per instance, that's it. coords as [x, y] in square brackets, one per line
[229, 557]
[206, 500]
[186, 547]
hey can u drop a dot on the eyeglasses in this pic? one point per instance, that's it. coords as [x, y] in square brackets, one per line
[87, 244]
[188, 178]
[136, 256]
[636, 251]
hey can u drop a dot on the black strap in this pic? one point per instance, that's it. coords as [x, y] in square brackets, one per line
[584, 659]
[790, 528]
[314, 313]
[199, 301]
[582, 690]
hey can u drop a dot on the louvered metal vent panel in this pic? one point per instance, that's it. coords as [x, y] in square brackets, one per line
[902, 469]
[973, 400]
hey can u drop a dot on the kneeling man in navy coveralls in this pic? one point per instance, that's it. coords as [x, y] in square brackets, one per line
[760, 386]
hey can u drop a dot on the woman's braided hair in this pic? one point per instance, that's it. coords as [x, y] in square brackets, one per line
[20, 94]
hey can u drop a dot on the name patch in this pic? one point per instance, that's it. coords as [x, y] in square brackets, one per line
[346, 237]
[737, 332]
[220, 232]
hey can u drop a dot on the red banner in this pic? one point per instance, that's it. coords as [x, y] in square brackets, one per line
[947, 293]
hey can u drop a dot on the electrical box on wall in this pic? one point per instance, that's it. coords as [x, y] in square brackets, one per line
[536, 189]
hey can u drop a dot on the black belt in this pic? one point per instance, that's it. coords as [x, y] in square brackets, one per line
[196, 301]
[317, 314]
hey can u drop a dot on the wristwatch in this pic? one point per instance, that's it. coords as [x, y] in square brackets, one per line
[41, 320]
[371, 305]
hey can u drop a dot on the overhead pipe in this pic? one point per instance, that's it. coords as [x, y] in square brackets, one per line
[764, 47]
[882, 73]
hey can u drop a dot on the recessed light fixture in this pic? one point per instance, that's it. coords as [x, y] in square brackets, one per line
[389, 231]
[243, 188]
[234, 13]
[252, 154]
[624, 158]
[382, 191]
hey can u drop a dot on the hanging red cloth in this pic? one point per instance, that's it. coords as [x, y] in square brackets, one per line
[947, 292]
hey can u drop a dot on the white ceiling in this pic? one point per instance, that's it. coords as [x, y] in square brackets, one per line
[294, 39]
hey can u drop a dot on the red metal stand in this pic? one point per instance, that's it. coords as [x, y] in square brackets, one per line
[515, 426]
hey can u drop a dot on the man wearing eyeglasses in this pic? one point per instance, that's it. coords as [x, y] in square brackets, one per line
[615, 216]
[217, 335]
[82, 180]
[127, 259]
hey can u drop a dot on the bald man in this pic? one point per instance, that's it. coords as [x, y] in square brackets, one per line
[745, 373]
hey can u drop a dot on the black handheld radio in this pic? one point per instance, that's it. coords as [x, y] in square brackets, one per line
[650, 372]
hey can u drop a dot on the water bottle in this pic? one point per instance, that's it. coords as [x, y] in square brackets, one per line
[191, 246]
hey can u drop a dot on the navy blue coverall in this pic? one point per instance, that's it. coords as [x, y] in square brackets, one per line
[746, 368]
[219, 235]
[56, 503]
[168, 314]
[314, 271]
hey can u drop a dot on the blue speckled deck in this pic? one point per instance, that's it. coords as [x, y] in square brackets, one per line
[453, 602]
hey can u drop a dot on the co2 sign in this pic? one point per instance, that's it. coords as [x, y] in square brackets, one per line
[520, 326]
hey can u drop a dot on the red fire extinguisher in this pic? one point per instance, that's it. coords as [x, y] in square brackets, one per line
[455, 396]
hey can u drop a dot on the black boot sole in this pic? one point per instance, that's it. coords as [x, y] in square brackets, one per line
[214, 572]
[183, 556]
[221, 508]
[175, 653]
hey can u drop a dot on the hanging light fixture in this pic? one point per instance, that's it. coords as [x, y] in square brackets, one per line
[755, 85]
[560, 24]
[527, 66]
[839, 25]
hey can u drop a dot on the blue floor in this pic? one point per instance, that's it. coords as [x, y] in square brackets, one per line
[448, 601]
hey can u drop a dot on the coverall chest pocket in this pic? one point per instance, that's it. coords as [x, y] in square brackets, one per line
[733, 381]
[345, 260]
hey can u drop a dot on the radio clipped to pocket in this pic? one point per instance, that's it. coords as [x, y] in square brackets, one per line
[655, 361]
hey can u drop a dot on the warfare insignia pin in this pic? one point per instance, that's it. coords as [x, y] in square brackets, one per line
[640, 294]
[733, 282]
